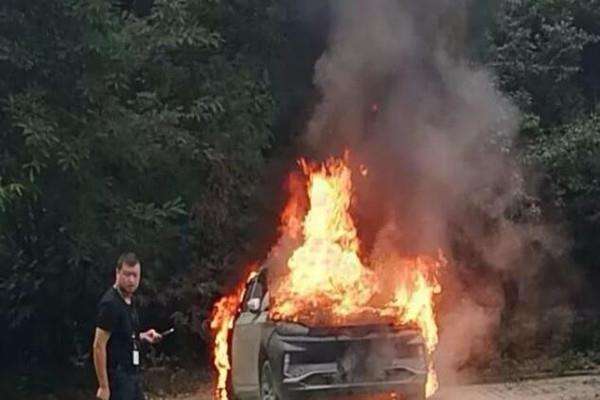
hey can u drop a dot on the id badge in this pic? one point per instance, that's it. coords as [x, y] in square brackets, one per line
[136, 357]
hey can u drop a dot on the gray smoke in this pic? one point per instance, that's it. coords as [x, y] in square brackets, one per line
[436, 136]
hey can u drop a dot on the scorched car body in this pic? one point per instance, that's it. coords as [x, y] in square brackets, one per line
[274, 360]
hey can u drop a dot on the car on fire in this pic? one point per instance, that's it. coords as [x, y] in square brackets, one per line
[277, 360]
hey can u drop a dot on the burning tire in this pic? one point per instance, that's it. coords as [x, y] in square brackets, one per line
[267, 387]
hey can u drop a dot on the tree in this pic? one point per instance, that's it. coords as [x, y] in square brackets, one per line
[123, 132]
[569, 157]
[546, 54]
[537, 49]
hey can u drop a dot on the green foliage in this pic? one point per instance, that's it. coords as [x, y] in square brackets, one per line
[546, 55]
[148, 131]
[537, 49]
[570, 155]
[586, 337]
[121, 132]
[9, 193]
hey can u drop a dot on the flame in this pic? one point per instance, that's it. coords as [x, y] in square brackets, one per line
[223, 317]
[327, 281]
[291, 220]
[364, 171]
[417, 305]
[325, 271]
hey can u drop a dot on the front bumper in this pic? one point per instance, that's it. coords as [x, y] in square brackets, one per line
[309, 367]
[328, 379]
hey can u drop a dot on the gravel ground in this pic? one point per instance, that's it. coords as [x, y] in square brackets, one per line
[572, 388]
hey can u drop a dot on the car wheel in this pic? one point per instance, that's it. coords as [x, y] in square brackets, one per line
[267, 388]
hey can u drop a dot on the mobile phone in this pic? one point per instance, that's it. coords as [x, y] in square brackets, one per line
[167, 332]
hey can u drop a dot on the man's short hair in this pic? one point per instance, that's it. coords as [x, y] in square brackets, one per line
[127, 258]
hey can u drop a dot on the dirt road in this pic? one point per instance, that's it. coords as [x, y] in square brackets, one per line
[573, 388]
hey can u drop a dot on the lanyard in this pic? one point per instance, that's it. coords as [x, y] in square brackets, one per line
[135, 322]
[135, 351]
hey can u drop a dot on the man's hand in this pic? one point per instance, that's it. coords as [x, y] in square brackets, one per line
[103, 393]
[151, 336]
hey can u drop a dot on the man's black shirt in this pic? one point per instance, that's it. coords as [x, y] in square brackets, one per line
[121, 320]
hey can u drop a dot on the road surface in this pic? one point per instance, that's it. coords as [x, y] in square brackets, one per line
[572, 388]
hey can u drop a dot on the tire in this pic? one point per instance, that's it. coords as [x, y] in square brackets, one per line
[267, 387]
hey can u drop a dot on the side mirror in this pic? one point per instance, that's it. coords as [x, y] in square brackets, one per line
[254, 305]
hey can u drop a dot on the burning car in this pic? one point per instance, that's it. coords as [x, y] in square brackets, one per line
[282, 360]
[320, 317]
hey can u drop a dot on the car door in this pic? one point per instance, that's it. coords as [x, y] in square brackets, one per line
[246, 343]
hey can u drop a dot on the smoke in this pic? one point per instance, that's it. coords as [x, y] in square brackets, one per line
[396, 92]
[436, 136]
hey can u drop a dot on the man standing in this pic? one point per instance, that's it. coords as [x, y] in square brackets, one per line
[117, 338]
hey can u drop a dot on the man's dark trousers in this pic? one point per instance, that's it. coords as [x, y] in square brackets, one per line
[125, 384]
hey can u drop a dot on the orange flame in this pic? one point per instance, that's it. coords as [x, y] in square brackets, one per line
[327, 282]
[325, 271]
[416, 305]
[224, 313]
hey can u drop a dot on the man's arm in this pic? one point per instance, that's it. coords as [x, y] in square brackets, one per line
[100, 340]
